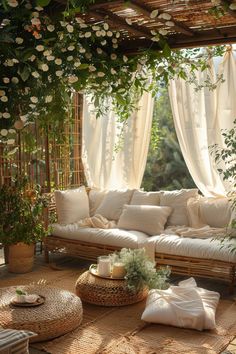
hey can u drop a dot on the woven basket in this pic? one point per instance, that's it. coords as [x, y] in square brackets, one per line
[61, 313]
[106, 292]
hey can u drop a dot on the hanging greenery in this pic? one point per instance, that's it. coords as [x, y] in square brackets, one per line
[46, 56]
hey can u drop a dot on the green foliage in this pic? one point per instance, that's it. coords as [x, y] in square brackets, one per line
[141, 271]
[46, 55]
[21, 214]
[20, 292]
[165, 168]
[226, 159]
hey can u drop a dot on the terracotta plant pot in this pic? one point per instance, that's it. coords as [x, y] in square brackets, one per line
[21, 258]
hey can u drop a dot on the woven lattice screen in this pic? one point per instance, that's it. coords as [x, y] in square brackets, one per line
[53, 162]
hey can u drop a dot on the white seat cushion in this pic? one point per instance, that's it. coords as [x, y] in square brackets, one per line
[111, 237]
[193, 247]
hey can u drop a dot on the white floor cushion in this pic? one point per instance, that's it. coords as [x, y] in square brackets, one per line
[185, 306]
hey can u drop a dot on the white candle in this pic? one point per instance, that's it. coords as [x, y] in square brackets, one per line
[104, 266]
[118, 270]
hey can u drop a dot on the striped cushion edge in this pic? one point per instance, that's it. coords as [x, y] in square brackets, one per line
[10, 337]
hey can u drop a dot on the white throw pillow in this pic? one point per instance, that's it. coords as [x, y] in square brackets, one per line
[215, 212]
[113, 202]
[96, 197]
[185, 306]
[145, 198]
[177, 200]
[72, 205]
[146, 218]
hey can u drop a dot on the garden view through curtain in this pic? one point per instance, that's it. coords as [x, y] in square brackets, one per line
[199, 117]
[105, 167]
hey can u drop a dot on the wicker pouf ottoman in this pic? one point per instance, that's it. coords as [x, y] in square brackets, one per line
[60, 313]
[106, 292]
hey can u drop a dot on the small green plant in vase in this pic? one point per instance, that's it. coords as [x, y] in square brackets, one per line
[140, 270]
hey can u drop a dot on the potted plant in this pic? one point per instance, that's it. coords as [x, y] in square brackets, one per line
[21, 223]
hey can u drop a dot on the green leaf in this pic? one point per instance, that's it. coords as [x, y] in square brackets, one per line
[83, 66]
[43, 2]
[24, 73]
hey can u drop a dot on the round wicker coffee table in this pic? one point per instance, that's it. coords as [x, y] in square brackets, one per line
[61, 312]
[106, 292]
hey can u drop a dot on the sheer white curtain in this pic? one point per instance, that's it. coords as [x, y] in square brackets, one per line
[106, 168]
[199, 117]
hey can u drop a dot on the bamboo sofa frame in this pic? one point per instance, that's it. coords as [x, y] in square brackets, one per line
[181, 265]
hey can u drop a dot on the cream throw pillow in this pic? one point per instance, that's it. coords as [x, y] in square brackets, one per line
[72, 205]
[177, 200]
[185, 306]
[146, 218]
[96, 197]
[112, 204]
[215, 212]
[145, 198]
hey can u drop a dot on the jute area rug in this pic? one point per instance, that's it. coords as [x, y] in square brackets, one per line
[119, 330]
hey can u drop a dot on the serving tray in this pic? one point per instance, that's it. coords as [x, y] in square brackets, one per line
[39, 302]
[93, 270]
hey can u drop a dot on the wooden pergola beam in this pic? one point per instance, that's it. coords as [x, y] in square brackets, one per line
[145, 10]
[135, 29]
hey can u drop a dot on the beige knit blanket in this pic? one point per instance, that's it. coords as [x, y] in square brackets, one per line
[98, 222]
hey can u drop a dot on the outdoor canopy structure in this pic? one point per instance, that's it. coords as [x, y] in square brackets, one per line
[192, 23]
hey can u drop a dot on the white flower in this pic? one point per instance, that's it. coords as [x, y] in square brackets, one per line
[98, 33]
[37, 35]
[39, 8]
[79, 20]
[35, 21]
[4, 132]
[71, 48]
[2, 93]
[106, 26]
[35, 14]
[77, 63]
[155, 39]
[15, 80]
[34, 99]
[232, 6]
[81, 35]
[125, 59]
[83, 25]
[113, 72]
[163, 32]
[92, 68]
[12, 3]
[35, 74]
[154, 13]
[153, 32]
[63, 50]
[170, 24]
[32, 106]
[63, 23]
[12, 131]
[117, 34]
[100, 74]
[4, 98]
[32, 58]
[128, 21]
[39, 48]
[6, 80]
[88, 55]
[48, 99]
[24, 118]
[47, 52]
[113, 56]
[104, 42]
[59, 73]
[70, 58]
[115, 45]
[6, 22]
[15, 61]
[8, 62]
[87, 34]
[96, 28]
[50, 28]
[165, 16]
[50, 58]
[44, 67]
[82, 50]
[58, 61]
[10, 141]
[103, 33]
[70, 28]
[114, 40]
[99, 51]
[109, 34]
[6, 115]
[19, 40]
[72, 79]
